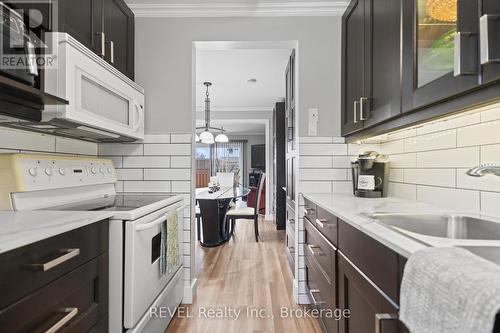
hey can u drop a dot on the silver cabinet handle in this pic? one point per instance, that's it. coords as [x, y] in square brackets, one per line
[321, 223]
[70, 314]
[307, 210]
[356, 111]
[465, 60]
[314, 253]
[379, 317]
[110, 50]
[362, 101]
[68, 254]
[100, 39]
[489, 34]
[315, 302]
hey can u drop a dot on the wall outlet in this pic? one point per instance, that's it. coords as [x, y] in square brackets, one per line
[313, 122]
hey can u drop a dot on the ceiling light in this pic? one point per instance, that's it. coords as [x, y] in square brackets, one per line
[222, 138]
[252, 81]
[207, 137]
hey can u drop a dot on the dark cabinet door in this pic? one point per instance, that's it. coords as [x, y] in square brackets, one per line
[353, 71]
[290, 103]
[370, 311]
[381, 97]
[490, 26]
[119, 32]
[430, 52]
[82, 19]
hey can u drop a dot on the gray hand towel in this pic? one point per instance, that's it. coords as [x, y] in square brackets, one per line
[449, 290]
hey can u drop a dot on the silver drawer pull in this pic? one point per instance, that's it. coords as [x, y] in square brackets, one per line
[70, 314]
[322, 222]
[379, 317]
[68, 254]
[308, 210]
[314, 253]
[315, 302]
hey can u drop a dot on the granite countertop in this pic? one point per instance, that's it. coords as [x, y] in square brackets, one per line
[356, 212]
[18, 229]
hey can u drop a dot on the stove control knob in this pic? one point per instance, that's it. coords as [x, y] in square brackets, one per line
[110, 170]
[48, 171]
[101, 170]
[62, 171]
[33, 172]
[93, 170]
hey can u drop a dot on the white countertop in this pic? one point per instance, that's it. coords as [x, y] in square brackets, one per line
[18, 229]
[356, 211]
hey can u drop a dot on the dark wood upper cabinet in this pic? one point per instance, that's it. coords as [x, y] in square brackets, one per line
[119, 32]
[352, 65]
[83, 19]
[490, 24]
[104, 26]
[370, 67]
[430, 52]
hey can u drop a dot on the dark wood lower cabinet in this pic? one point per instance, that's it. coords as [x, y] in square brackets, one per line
[61, 282]
[368, 306]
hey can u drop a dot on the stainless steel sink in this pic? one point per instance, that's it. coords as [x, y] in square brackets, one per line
[491, 253]
[442, 225]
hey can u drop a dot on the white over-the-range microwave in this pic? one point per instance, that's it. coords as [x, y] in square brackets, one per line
[104, 105]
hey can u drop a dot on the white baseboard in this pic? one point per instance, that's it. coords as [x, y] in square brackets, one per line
[190, 292]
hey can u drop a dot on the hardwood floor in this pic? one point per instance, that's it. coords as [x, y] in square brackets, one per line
[244, 275]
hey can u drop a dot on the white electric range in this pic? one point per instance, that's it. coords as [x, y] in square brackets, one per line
[136, 282]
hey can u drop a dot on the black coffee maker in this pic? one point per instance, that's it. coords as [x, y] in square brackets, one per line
[370, 175]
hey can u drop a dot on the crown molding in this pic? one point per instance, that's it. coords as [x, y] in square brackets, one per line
[269, 9]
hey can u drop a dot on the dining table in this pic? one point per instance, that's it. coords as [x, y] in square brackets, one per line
[215, 229]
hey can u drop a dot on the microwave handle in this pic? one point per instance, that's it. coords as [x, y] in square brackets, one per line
[138, 116]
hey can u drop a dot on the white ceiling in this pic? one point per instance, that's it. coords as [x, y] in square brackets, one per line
[229, 71]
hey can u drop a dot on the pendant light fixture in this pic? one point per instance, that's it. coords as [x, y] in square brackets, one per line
[206, 136]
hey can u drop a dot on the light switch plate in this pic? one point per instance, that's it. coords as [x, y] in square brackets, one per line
[313, 122]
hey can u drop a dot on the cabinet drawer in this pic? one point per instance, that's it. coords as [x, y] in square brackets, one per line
[309, 210]
[327, 225]
[318, 250]
[79, 299]
[322, 293]
[375, 260]
[30, 267]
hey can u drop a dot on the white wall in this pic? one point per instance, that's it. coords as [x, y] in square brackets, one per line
[164, 64]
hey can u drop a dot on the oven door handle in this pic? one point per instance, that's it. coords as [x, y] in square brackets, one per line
[150, 225]
[159, 220]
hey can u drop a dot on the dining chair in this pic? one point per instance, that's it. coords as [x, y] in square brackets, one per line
[248, 212]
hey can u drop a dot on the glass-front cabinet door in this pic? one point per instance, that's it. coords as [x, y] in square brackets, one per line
[440, 50]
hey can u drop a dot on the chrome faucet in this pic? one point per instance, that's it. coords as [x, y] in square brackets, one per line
[483, 169]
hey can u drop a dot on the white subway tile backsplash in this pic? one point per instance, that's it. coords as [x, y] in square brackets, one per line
[454, 122]
[404, 191]
[449, 158]
[396, 175]
[147, 186]
[402, 134]
[433, 141]
[167, 174]
[315, 186]
[486, 183]
[117, 160]
[356, 149]
[181, 186]
[392, 147]
[403, 160]
[167, 149]
[490, 203]
[342, 187]
[479, 134]
[343, 161]
[129, 174]
[489, 154]
[323, 149]
[490, 114]
[72, 146]
[146, 161]
[316, 139]
[450, 198]
[180, 161]
[315, 161]
[434, 177]
[156, 138]
[120, 149]
[323, 174]
[23, 140]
